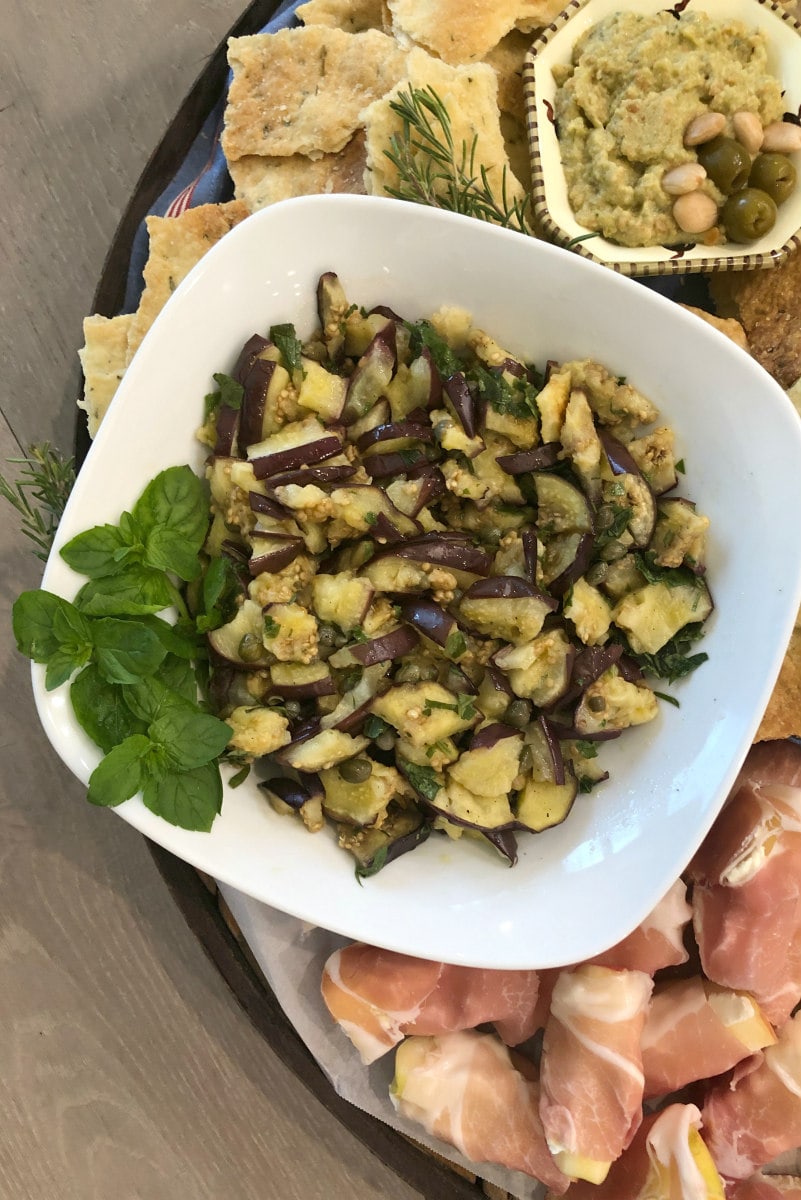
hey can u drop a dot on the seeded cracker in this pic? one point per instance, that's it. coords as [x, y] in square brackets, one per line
[176, 245]
[352, 16]
[783, 715]
[300, 91]
[103, 359]
[259, 181]
[458, 31]
[470, 96]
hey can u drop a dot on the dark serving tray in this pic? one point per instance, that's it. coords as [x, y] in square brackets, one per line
[196, 899]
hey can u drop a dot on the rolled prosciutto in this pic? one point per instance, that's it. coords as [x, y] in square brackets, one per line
[467, 1089]
[378, 997]
[658, 941]
[591, 1067]
[757, 1115]
[747, 883]
[694, 1030]
[667, 1160]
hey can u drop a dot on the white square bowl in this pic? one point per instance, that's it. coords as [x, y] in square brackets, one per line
[582, 886]
[554, 47]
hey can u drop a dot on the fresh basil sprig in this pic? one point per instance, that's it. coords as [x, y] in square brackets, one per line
[133, 681]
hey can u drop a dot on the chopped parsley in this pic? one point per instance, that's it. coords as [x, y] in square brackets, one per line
[673, 662]
[230, 395]
[423, 334]
[271, 626]
[517, 398]
[289, 344]
[423, 779]
[456, 645]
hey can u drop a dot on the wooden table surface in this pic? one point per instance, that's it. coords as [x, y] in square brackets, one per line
[128, 1069]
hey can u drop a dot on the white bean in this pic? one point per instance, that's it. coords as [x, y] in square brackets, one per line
[782, 136]
[695, 212]
[748, 131]
[703, 128]
[686, 177]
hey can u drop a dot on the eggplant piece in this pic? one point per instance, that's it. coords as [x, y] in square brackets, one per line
[411, 495]
[356, 704]
[456, 552]
[612, 702]
[300, 681]
[506, 607]
[386, 648]
[268, 506]
[679, 538]
[332, 304]
[489, 735]
[461, 806]
[545, 751]
[375, 847]
[538, 459]
[552, 403]
[400, 462]
[273, 551]
[462, 401]
[363, 803]
[429, 618]
[321, 391]
[342, 599]
[263, 384]
[561, 507]
[228, 687]
[226, 430]
[248, 355]
[541, 806]
[653, 614]
[372, 375]
[416, 385]
[540, 670]
[588, 665]
[629, 490]
[241, 641]
[491, 767]
[423, 713]
[321, 750]
[299, 443]
[326, 472]
[654, 455]
[290, 792]
[360, 505]
[589, 611]
[396, 431]
[494, 693]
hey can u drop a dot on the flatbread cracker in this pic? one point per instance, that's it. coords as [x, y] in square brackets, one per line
[536, 14]
[353, 16]
[301, 91]
[103, 359]
[728, 325]
[783, 715]
[768, 304]
[458, 31]
[176, 245]
[507, 61]
[261, 181]
[470, 94]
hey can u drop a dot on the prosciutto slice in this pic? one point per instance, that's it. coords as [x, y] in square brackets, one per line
[747, 876]
[377, 997]
[467, 1089]
[656, 943]
[591, 1068]
[694, 1030]
[765, 1187]
[667, 1160]
[758, 1115]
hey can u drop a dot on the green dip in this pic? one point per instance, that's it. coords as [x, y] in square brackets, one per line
[634, 83]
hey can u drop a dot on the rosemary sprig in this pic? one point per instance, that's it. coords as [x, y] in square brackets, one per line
[433, 170]
[40, 494]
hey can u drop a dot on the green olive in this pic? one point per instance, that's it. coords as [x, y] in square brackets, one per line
[356, 770]
[251, 648]
[518, 714]
[774, 174]
[748, 215]
[726, 162]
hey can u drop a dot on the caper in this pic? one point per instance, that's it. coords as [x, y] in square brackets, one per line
[455, 679]
[748, 215]
[597, 573]
[596, 704]
[292, 709]
[356, 770]
[251, 648]
[327, 634]
[409, 673]
[726, 162]
[385, 740]
[773, 173]
[518, 714]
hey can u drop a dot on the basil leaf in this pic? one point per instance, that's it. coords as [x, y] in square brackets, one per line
[119, 775]
[169, 550]
[189, 738]
[188, 799]
[175, 499]
[99, 552]
[62, 664]
[231, 393]
[100, 711]
[34, 621]
[125, 650]
[179, 676]
[178, 639]
[423, 779]
[288, 343]
[136, 591]
[151, 699]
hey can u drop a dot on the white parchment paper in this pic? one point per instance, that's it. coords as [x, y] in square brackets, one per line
[291, 956]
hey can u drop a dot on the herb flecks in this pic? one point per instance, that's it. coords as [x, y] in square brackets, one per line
[433, 169]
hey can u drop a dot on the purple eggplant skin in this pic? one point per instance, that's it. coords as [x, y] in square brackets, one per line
[398, 429]
[227, 687]
[429, 617]
[287, 550]
[490, 735]
[435, 379]
[227, 428]
[567, 732]
[507, 587]
[499, 680]
[461, 399]
[307, 691]
[384, 531]
[267, 506]
[620, 460]
[433, 486]
[554, 749]
[629, 669]
[295, 456]
[460, 554]
[529, 540]
[254, 401]
[248, 355]
[384, 466]
[539, 459]
[293, 793]
[385, 648]
[588, 665]
[321, 473]
[578, 567]
[373, 372]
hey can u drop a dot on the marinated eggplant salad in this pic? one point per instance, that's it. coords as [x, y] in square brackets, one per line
[440, 575]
